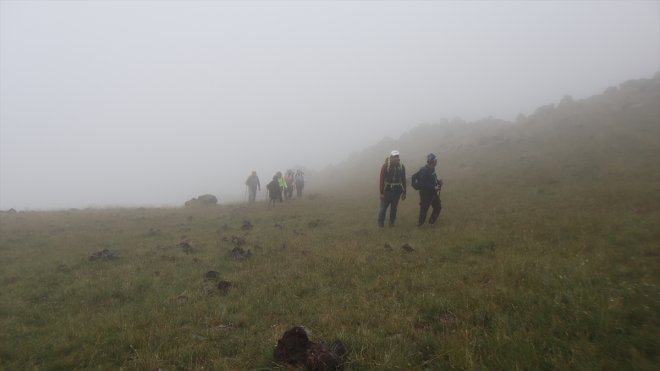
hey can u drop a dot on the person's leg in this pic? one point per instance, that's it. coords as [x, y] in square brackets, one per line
[384, 203]
[437, 206]
[424, 203]
[394, 202]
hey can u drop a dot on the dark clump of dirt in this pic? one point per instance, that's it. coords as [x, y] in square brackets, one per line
[224, 287]
[247, 225]
[104, 254]
[185, 246]
[407, 247]
[238, 253]
[295, 349]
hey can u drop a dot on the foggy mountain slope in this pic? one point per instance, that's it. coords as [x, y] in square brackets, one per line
[610, 135]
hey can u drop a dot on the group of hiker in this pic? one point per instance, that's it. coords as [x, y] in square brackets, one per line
[279, 188]
[393, 187]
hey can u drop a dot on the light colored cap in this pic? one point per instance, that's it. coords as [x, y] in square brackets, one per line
[394, 153]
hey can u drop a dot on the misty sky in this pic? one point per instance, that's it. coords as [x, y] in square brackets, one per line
[150, 103]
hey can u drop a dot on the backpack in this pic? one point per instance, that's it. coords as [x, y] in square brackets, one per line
[414, 181]
[273, 187]
[393, 175]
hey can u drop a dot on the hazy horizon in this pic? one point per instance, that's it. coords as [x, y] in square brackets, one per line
[152, 103]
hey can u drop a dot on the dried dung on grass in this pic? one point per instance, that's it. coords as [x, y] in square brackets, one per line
[295, 349]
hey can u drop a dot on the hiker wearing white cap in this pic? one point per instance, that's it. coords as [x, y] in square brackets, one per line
[392, 187]
[427, 183]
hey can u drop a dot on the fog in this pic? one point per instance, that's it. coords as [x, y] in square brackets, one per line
[119, 103]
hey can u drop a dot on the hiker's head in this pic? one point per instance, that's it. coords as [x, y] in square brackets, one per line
[394, 157]
[431, 159]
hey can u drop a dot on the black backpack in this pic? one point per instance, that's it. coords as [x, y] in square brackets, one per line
[273, 187]
[414, 181]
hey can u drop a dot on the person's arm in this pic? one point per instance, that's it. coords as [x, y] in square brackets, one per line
[404, 182]
[382, 181]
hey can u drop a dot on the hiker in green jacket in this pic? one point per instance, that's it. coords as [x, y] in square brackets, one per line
[282, 183]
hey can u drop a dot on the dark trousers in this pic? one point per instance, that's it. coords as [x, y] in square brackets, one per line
[390, 199]
[253, 194]
[426, 199]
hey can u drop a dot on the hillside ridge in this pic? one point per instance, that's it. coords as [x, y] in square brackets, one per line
[615, 133]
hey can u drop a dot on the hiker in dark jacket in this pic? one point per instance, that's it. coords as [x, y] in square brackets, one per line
[428, 184]
[300, 182]
[392, 187]
[252, 183]
[274, 191]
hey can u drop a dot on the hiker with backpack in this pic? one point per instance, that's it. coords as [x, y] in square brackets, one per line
[427, 183]
[299, 180]
[282, 184]
[252, 184]
[274, 191]
[392, 187]
[288, 178]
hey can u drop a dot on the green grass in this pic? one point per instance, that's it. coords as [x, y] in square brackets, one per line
[536, 277]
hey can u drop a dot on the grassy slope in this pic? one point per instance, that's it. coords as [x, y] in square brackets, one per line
[545, 258]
